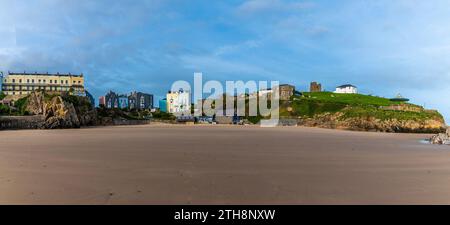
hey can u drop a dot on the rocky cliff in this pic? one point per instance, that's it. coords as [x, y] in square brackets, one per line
[368, 123]
[61, 111]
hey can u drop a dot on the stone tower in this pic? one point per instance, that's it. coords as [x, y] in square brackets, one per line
[315, 87]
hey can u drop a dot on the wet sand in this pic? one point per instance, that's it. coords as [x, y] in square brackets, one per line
[220, 165]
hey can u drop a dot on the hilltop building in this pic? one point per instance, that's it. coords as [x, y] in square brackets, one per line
[266, 92]
[346, 89]
[315, 87]
[178, 101]
[18, 85]
[286, 91]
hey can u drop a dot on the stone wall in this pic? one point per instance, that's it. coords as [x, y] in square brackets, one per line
[38, 122]
[288, 122]
[406, 108]
[224, 120]
[109, 121]
[130, 122]
[21, 122]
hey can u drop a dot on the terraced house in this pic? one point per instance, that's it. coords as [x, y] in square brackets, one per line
[20, 84]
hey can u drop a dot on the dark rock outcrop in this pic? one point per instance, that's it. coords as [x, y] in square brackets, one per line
[442, 138]
[337, 121]
[88, 118]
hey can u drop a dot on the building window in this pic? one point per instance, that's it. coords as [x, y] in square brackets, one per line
[56, 81]
[44, 81]
[14, 80]
[32, 81]
[20, 81]
[142, 102]
[51, 81]
[39, 81]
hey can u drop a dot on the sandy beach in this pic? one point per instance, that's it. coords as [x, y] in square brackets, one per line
[176, 164]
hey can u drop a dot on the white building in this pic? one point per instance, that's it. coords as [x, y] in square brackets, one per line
[346, 89]
[179, 102]
[266, 92]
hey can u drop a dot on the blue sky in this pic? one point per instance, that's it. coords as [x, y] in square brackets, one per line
[384, 47]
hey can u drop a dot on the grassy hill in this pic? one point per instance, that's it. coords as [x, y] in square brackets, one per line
[354, 105]
[362, 112]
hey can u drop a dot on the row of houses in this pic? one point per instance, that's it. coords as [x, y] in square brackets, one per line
[178, 102]
[17, 85]
[134, 100]
[286, 91]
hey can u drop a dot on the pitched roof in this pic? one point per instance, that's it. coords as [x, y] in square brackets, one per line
[46, 74]
[346, 86]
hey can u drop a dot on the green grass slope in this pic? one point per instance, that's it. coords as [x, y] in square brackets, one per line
[310, 105]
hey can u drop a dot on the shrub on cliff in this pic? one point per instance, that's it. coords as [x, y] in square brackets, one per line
[163, 116]
[21, 107]
[104, 112]
[4, 110]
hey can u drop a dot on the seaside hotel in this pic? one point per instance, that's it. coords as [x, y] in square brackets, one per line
[18, 85]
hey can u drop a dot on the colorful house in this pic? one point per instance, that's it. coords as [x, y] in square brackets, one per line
[163, 105]
[179, 102]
